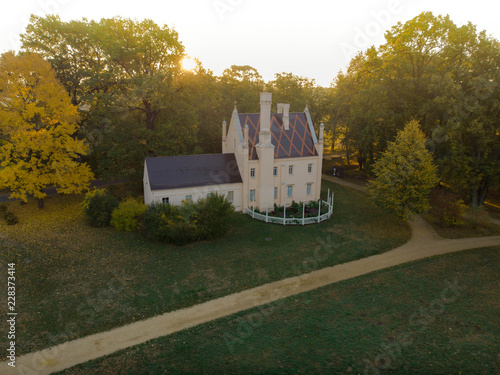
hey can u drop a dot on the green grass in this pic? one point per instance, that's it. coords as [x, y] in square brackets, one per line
[74, 280]
[402, 320]
[465, 230]
[351, 172]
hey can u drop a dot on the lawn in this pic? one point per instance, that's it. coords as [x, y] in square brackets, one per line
[465, 230]
[434, 316]
[74, 280]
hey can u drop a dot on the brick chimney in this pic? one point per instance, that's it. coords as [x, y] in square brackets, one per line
[285, 110]
[265, 118]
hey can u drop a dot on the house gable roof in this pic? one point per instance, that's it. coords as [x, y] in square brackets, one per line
[298, 141]
[173, 172]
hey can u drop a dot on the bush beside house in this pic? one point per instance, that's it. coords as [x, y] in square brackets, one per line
[207, 219]
[128, 215]
[98, 206]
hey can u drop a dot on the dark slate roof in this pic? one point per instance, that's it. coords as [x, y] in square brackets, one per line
[172, 172]
[292, 143]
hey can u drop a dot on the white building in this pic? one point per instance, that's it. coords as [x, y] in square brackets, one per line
[266, 158]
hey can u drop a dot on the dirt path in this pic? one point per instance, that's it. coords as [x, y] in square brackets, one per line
[342, 182]
[495, 221]
[423, 243]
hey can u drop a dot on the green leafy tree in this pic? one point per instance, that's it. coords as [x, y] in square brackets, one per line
[240, 84]
[445, 76]
[293, 89]
[201, 96]
[405, 175]
[466, 106]
[37, 131]
[300, 92]
[121, 73]
[74, 51]
[145, 59]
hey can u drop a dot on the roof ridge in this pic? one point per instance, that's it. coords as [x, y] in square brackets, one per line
[187, 155]
[272, 113]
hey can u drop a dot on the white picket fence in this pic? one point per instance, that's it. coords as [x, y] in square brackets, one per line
[294, 220]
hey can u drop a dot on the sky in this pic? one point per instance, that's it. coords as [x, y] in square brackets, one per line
[314, 38]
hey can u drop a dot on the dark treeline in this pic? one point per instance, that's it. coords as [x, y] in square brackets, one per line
[135, 99]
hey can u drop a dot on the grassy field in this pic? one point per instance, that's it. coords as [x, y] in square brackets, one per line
[74, 280]
[465, 230]
[434, 316]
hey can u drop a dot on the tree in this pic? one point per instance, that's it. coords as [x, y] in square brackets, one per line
[445, 76]
[200, 93]
[467, 107]
[37, 128]
[240, 85]
[300, 92]
[293, 89]
[405, 175]
[75, 53]
[122, 73]
[147, 58]
[137, 61]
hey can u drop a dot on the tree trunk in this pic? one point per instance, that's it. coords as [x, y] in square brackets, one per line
[482, 191]
[150, 114]
[41, 203]
[478, 194]
[347, 152]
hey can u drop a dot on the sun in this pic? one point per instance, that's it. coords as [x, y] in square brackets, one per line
[188, 63]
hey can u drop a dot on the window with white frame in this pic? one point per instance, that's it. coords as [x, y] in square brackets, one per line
[275, 171]
[290, 191]
[165, 200]
[230, 196]
[275, 193]
[308, 186]
[290, 169]
[309, 168]
[252, 172]
[252, 195]
[188, 198]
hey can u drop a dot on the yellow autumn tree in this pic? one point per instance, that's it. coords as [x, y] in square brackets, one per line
[38, 125]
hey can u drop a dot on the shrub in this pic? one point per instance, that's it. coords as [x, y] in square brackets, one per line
[10, 218]
[172, 224]
[213, 216]
[128, 215]
[98, 206]
[447, 207]
[206, 219]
